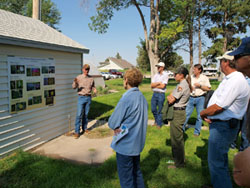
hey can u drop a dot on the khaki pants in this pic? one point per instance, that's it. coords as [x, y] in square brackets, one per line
[177, 140]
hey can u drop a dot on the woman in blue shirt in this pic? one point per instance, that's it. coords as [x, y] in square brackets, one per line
[129, 122]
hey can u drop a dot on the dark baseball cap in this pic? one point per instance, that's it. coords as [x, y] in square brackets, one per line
[243, 49]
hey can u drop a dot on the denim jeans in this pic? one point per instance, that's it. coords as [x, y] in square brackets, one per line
[244, 141]
[221, 136]
[129, 171]
[157, 100]
[197, 102]
[83, 106]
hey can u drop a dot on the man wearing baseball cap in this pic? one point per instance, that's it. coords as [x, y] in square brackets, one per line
[242, 169]
[158, 84]
[84, 84]
[225, 109]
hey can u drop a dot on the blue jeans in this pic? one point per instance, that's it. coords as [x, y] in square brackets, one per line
[157, 100]
[198, 102]
[244, 141]
[129, 171]
[83, 106]
[221, 136]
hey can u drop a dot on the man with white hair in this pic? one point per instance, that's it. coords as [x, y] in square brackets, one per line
[225, 109]
[158, 84]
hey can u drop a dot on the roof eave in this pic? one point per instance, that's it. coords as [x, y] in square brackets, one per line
[42, 45]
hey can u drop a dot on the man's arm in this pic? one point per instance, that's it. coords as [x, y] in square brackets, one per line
[118, 115]
[75, 83]
[158, 85]
[204, 88]
[211, 111]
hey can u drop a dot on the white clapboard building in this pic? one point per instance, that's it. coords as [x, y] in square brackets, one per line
[37, 67]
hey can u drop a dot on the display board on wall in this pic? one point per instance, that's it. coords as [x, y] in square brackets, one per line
[31, 83]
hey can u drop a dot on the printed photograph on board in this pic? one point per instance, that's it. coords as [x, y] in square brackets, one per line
[16, 94]
[17, 69]
[49, 100]
[20, 106]
[45, 69]
[33, 86]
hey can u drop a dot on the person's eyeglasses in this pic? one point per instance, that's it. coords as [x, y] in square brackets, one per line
[87, 69]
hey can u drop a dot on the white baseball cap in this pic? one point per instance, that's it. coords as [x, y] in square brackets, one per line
[161, 64]
[226, 56]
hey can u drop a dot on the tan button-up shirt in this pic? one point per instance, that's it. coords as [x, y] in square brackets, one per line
[202, 80]
[84, 84]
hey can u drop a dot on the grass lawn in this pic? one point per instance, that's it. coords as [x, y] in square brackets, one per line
[23, 169]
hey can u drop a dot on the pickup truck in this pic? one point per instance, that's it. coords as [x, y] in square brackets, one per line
[114, 71]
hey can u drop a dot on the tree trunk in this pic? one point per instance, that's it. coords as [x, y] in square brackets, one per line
[199, 37]
[152, 44]
[191, 51]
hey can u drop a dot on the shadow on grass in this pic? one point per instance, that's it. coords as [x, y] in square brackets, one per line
[201, 152]
[150, 164]
[32, 170]
[97, 109]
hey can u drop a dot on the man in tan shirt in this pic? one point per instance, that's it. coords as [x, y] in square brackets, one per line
[200, 85]
[84, 84]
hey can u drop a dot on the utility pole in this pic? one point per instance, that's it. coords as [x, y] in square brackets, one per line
[36, 11]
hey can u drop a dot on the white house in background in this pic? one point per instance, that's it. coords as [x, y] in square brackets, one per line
[37, 67]
[113, 63]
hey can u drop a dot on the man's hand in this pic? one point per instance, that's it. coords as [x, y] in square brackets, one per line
[197, 85]
[155, 84]
[207, 120]
[94, 90]
[203, 114]
[117, 131]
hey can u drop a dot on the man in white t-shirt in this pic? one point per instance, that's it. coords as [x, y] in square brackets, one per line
[200, 85]
[225, 109]
[158, 84]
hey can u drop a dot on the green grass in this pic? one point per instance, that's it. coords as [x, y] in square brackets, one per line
[28, 170]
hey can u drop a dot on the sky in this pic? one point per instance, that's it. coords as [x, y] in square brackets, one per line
[123, 35]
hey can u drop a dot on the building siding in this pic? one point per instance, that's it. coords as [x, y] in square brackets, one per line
[28, 129]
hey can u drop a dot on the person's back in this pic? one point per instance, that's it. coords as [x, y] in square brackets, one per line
[129, 122]
[135, 119]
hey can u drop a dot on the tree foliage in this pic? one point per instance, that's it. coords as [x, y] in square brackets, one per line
[228, 18]
[142, 59]
[172, 60]
[152, 31]
[172, 21]
[49, 13]
[118, 56]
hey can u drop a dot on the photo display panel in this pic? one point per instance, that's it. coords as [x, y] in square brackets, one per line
[31, 83]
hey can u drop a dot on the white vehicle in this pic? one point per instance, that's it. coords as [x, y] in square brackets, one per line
[105, 75]
[113, 76]
[170, 73]
[209, 71]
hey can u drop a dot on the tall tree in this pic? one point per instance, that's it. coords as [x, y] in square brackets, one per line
[152, 32]
[171, 59]
[229, 17]
[49, 13]
[118, 56]
[142, 59]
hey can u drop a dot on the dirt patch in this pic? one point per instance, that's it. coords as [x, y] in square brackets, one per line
[99, 133]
